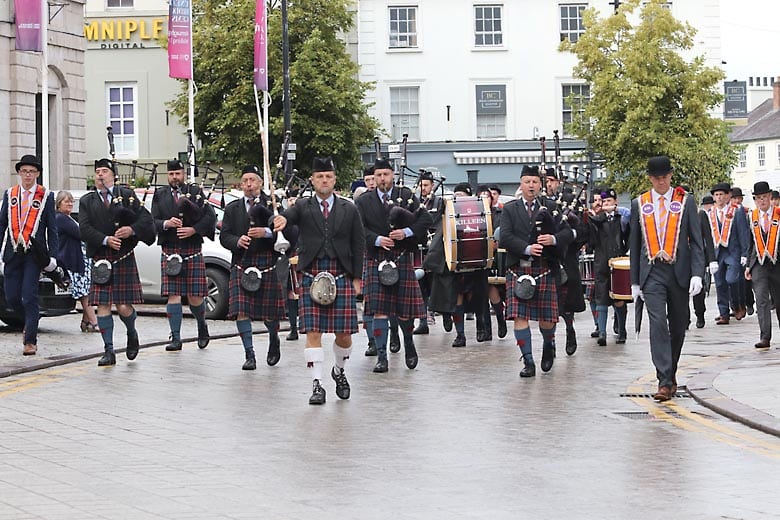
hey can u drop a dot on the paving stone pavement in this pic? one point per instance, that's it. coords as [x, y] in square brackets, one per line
[189, 435]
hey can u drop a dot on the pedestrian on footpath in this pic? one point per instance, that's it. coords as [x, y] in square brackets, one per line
[762, 267]
[667, 266]
[182, 217]
[331, 244]
[112, 221]
[28, 226]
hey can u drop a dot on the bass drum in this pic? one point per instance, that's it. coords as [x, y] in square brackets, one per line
[467, 226]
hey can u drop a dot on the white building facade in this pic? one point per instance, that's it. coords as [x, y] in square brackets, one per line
[475, 83]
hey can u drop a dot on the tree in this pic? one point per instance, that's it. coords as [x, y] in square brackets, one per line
[328, 112]
[647, 100]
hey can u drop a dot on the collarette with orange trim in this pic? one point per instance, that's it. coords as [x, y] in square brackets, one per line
[721, 236]
[667, 251]
[23, 227]
[766, 248]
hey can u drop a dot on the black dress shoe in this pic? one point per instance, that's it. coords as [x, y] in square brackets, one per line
[317, 393]
[274, 355]
[700, 322]
[460, 341]
[108, 359]
[371, 350]
[486, 336]
[764, 343]
[480, 336]
[571, 342]
[410, 355]
[447, 322]
[249, 364]
[381, 366]
[548, 356]
[502, 328]
[342, 385]
[292, 336]
[395, 344]
[621, 339]
[529, 370]
[173, 346]
[750, 310]
[595, 333]
[132, 347]
[422, 328]
[602, 341]
[203, 337]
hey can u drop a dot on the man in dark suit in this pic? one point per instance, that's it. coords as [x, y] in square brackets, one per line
[699, 305]
[667, 266]
[762, 267]
[388, 243]
[111, 222]
[433, 204]
[182, 217]
[330, 240]
[535, 239]
[27, 221]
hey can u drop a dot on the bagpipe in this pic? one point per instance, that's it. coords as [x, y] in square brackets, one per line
[570, 204]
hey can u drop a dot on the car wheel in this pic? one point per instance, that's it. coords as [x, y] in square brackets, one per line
[13, 323]
[217, 297]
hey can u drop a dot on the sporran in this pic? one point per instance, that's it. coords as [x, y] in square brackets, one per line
[323, 288]
[101, 272]
[388, 273]
[173, 264]
[250, 279]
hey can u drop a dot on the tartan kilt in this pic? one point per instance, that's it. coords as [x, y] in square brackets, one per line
[402, 300]
[542, 307]
[124, 286]
[267, 303]
[191, 281]
[340, 317]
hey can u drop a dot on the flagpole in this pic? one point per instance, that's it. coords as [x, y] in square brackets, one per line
[45, 91]
[191, 102]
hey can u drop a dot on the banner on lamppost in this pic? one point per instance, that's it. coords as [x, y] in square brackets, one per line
[261, 50]
[28, 25]
[180, 39]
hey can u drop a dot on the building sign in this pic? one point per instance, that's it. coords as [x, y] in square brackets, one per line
[735, 105]
[491, 99]
[28, 25]
[124, 33]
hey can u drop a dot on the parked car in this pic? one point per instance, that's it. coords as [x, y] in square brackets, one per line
[52, 300]
[217, 260]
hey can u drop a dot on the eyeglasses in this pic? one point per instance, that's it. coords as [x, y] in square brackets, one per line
[28, 172]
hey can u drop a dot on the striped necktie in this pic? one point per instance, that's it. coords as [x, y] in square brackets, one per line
[25, 203]
[663, 215]
[765, 223]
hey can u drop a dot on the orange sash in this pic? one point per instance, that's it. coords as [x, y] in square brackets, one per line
[766, 248]
[721, 237]
[666, 251]
[23, 227]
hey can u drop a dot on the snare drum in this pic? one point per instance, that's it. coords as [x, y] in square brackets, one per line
[620, 278]
[498, 273]
[586, 269]
[468, 234]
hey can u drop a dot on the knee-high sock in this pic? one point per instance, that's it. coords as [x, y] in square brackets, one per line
[392, 325]
[602, 311]
[106, 324]
[620, 314]
[272, 327]
[174, 319]
[314, 357]
[523, 337]
[380, 336]
[407, 327]
[457, 319]
[568, 318]
[368, 323]
[199, 312]
[594, 311]
[548, 336]
[341, 355]
[244, 328]
[498, 309]
[292, 314]
[129, 322]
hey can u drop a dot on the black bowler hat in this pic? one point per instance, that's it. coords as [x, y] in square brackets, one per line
[382, 164]
[175, 164]
[736, 192]
[29, 160]
[760, 188]
[721, 186]
[368, 171]
[323, 164]
[105, 163]
[775, 194]
[532, 171]
[659, 166]
[462, 187]
[707, 199]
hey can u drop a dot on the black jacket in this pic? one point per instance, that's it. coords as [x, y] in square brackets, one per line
[96, 222]
[69, 256]
[164, 207]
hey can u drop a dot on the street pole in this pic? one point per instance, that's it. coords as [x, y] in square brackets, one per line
[288, 164]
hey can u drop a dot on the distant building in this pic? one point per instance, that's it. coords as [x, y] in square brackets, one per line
[21, 96]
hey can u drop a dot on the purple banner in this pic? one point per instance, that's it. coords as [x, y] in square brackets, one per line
[261, 51]
[180, 39]
[28, 25]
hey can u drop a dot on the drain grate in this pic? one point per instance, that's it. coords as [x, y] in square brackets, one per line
[645, 415]
[650, 396]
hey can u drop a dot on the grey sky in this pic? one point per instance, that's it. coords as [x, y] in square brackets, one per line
[750, 36]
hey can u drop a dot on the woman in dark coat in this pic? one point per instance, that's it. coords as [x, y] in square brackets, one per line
[72, 256]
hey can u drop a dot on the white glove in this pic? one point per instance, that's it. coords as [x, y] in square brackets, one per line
[695, 287]
[713, 268]
[743, 261]
[636, 292]
[52, 265]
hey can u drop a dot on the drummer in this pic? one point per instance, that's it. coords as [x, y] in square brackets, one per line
[609, 239]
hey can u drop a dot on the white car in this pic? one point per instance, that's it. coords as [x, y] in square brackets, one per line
[217, 260]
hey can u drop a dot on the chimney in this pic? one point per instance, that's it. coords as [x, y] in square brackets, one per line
[776, 95]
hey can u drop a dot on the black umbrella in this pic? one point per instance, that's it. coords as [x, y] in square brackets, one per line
[639, 307]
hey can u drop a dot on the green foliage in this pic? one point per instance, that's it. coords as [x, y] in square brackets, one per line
[328, 112]
[646, 99]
